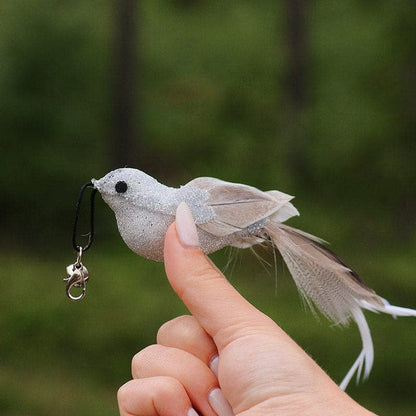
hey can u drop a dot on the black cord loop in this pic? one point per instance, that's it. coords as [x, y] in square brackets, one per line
[77, 247]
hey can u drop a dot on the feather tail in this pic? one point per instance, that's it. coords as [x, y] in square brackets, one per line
[325, 281]
[366, 356]
[387, 308]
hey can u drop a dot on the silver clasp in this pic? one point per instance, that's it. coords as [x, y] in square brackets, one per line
[77, 277]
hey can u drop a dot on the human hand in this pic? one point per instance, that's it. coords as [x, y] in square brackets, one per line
[227, 357]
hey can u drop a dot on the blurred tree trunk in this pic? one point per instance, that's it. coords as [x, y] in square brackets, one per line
[126, 69]
[295, 98]
[187, 3]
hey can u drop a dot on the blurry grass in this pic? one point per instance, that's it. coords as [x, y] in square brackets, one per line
[59, 357]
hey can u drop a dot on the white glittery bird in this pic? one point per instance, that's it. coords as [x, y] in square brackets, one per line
[231, 214]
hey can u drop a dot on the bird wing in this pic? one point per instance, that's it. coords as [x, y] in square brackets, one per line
[237, 206]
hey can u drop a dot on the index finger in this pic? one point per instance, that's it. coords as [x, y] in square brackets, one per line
[211, 299]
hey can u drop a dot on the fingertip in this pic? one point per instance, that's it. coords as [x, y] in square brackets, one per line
[186, 265]
[178, 258]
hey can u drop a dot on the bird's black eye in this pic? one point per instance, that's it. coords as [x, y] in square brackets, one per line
[121, 187]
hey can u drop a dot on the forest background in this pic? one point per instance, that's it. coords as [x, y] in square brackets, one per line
[313, 98]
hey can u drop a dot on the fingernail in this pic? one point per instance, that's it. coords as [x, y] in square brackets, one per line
[213, 365]
[185, 226]
[192, 412]
[219, 403]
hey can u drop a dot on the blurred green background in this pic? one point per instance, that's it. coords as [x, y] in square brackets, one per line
[316, 99]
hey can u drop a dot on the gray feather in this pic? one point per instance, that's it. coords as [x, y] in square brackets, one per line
[326, 282]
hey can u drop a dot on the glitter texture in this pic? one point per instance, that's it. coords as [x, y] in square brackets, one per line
[225, 213]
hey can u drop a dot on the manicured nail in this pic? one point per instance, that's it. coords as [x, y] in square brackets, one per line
[213, 365]
[192, 412]
[185, 226]
[219, 403]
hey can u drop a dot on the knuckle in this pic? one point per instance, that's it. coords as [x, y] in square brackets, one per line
[172, 327]
[169, 387]
[125, 392]
[143, 359]
[146, 395]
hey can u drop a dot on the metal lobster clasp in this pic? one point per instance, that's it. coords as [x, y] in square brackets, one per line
[77, 278]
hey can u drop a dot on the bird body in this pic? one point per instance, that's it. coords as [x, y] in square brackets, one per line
[226, 214]
[238, 215]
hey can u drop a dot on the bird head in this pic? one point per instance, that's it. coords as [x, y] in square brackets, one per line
[124, 186]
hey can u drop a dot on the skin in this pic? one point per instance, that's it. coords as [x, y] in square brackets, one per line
[261, 370]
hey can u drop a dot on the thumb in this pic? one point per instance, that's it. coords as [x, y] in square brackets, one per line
[211, 299]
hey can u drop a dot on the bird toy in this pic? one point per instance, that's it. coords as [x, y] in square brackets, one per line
[237, 215]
